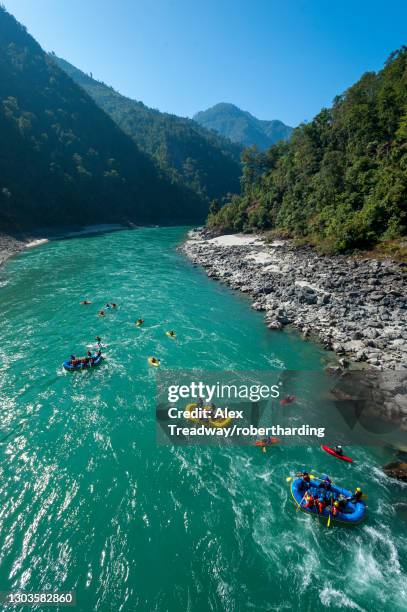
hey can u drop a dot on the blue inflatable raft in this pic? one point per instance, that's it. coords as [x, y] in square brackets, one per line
[82, 366]
[352, 514]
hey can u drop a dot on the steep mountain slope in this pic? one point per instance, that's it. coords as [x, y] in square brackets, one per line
[241, 127]
[189, 154]
[62, 159]
[341, 180]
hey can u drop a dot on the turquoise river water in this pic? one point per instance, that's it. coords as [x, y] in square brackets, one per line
[89, 503]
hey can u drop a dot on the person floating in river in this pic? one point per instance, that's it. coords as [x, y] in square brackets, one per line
[139, 322]
[85, 302]
[101, 313]
[113, 305]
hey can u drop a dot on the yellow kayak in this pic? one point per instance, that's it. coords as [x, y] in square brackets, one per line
[211, 422]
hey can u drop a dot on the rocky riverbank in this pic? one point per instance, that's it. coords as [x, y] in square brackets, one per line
[9, 245]
[356, 307]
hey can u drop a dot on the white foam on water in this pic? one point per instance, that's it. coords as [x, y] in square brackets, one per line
[331, 597]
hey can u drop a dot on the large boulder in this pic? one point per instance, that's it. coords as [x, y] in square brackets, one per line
[396, 469]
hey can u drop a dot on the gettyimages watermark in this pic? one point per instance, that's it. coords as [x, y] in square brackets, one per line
[285, 407]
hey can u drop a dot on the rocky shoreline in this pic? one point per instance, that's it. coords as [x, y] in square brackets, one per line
[356, 307]
[9, 246]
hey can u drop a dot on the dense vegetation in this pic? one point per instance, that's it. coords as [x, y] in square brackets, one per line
[341, 181]
[62, 159]
[241, 127]
[189, 154]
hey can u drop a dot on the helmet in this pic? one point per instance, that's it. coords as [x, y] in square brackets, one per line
[358, 490]
[336, 504]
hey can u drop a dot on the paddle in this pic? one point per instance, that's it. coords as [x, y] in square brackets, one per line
[300, 504]
[320, 477]
[329, 520]
[289, 478]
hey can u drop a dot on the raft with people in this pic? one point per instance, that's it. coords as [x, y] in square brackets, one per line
[82, 363]
[323, 499]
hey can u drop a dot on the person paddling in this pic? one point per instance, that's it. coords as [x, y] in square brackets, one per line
[357, 496]
[321, 504]
[305, 482]
[309, 501]
[335, 509]
[325, 484]
[338, 449]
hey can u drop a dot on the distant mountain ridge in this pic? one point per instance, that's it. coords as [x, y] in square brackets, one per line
[189, 154]
[242, 127]
[62, 158]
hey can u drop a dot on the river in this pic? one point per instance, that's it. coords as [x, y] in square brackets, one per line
[90, 503]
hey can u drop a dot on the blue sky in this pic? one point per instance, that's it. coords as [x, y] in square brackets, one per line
[280, 59]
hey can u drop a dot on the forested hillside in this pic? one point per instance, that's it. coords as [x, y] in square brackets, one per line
[242, 127]
[189, 154]
[341, 181]
[62, 158]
